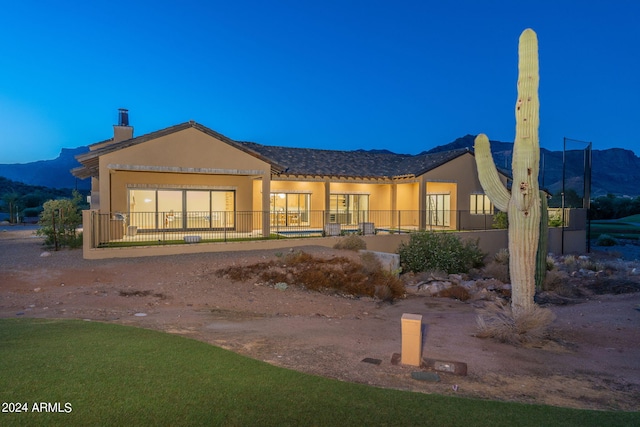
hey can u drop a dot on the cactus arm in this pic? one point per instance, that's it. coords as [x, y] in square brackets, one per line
[543, 245]
[488, 174]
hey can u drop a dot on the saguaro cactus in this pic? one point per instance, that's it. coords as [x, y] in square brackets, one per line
[522, 203]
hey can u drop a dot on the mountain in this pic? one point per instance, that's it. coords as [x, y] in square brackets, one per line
[49, 173]
[615, 170]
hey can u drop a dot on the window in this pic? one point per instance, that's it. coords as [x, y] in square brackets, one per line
[438, 209]
[289, 209]
[480, 205]
[349, 209]
[181, 209]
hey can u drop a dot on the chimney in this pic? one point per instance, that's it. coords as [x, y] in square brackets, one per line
[122, 131]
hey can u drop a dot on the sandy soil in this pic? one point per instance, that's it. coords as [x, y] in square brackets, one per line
[592, 359]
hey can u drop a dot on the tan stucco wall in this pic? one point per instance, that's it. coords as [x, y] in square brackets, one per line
[185, 151]
[463, 172]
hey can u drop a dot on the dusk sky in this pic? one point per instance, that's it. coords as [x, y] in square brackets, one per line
[338, 74]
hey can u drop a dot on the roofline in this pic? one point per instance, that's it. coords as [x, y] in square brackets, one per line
[87, 170]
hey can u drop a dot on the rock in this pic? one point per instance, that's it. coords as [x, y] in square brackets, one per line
[425, 376]
[45, 254]
[37, 289]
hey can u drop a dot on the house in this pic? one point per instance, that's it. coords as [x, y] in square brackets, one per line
[189, 179]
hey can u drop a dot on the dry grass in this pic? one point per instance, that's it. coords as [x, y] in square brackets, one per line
[498, 271]
[455, 292]
[499, 322]
[351, 242]
[339, 274]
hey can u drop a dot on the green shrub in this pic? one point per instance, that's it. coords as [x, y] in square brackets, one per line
[60, 220]
[606, 240]
[500, 220]
[428, 251]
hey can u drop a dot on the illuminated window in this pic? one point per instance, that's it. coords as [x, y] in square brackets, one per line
[289, 209]
[349, 209]
[438, 209]
[480, 205]
[181, 209]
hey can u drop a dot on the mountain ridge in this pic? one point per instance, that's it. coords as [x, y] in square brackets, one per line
[620, 180]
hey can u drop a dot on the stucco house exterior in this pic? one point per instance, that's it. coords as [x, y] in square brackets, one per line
[190, 179]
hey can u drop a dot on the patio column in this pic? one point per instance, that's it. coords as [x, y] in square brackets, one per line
[422, 203]
[266, 194]
[394, 205]
[327, 200]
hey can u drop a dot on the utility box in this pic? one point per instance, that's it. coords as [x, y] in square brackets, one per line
[332, 229]
[411, 339]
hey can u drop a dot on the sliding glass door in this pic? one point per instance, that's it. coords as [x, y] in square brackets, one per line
[176, 209]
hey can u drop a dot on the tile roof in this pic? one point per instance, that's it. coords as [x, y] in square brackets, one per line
[297, 161]
[358, 163]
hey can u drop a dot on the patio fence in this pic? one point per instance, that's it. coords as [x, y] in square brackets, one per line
[121, 229]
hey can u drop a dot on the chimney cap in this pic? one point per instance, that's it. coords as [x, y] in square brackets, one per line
[123, 117]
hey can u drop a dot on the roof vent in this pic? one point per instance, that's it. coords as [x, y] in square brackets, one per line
[123, 117]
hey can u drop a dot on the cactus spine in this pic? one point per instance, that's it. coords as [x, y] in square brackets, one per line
[522, 204]
[543, 243]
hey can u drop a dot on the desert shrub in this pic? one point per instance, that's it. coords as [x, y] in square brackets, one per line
[606, 240]
[60, 220]
[370, 262]
[498, 321]
[500, 220]
[551, 264]
[498, 271]
[340, 274]
[455, 292]
[427, 250]
[589, 264]
[502, 256]
[559, 282]
[351, 242]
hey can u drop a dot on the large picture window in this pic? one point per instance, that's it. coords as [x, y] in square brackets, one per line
[289, 209]
[349, 209]
[438, 209]
[178, 209]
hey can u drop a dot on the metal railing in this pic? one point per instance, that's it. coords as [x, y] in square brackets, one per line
[139, 228]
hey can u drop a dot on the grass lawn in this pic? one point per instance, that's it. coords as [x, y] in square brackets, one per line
[623, 228]
[116, 375]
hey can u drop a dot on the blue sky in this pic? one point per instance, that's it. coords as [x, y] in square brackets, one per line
[338, 74]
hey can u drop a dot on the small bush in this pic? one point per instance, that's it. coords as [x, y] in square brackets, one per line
[428, 250]
[60, 220]
[351, 242]
[370, 263]
[502, 256]
[606, 240]
[500, 220]
[455, 292]
[499, 322]
[497, 271]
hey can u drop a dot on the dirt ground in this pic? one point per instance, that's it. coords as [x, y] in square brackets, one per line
[591, 361]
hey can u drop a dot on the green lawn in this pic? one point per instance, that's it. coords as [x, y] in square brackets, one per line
[117, 375]
[623, 228]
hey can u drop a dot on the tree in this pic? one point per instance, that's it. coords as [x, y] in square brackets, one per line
[11, 201]
[59, 222]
